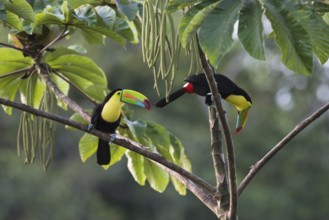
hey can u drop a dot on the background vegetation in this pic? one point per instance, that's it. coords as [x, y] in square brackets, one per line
[292, 186]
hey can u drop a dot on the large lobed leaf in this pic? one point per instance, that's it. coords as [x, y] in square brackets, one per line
[81, 71]
[193, 19]
[317, 29]
[11, 60]
[289, 34]
[21, 8]
[251, 29]
[215, 33]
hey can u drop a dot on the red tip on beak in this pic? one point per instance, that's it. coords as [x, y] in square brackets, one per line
[237, 130]
[147, 104]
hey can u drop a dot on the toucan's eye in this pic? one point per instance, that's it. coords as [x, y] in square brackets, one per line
[119, 93]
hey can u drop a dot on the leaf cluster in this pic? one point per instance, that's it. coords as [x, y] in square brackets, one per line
[298, 28]
[35, 27]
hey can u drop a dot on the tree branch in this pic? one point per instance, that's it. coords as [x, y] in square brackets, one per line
[196, 185]
[209, 72]
[222, 194]
[261, 163]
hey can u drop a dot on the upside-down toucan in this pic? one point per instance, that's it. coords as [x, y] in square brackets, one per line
[106, 117]
[227, 89]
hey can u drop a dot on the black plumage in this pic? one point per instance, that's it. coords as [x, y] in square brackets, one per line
[198, 84]
[103, 149]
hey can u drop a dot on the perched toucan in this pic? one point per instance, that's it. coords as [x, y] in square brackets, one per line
[106, 117]
[227, 89]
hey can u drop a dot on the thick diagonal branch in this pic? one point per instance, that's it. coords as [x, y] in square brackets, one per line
[204, 191]
[261, 163]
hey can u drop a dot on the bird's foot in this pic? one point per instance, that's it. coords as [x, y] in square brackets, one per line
[113, 136]
[90, 126]
[209, 99]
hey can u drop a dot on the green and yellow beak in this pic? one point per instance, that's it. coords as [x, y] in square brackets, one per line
[135, 98]
[241, 120]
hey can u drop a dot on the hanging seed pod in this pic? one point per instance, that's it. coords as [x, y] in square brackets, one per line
[160, 44]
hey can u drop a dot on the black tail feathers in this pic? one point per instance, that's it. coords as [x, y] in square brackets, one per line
[163, 102]
[103, 152]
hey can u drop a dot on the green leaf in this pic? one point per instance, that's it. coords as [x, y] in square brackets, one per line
[156, 176]
[80, 70]
[318, 30]
[178, 185]
[251, 29]
[193, 19]
[78, 3]
[58, 52]
[174, 5]
[14, 21]
[64, 87]
[43, 18]
[8, 89]
[97, 92]
[78, 118]
[87, 146]
[86, 14]
[78, 48]
[128, 8]
[21, 8]
[12, 60]
[106, 15]
[136, 167]
[157, 138]
[293, 40]
[112, 34]
[37, 90]
[215, 34]
[91, 37]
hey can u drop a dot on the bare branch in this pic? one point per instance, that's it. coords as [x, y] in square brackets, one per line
[195, 184]
[209, 72]
[222, 194]
[299, 127]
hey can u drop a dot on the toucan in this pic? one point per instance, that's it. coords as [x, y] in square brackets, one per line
[227, 89]
[106, 117]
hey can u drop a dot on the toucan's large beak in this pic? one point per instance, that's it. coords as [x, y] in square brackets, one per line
[241, 120]
[135, 98]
